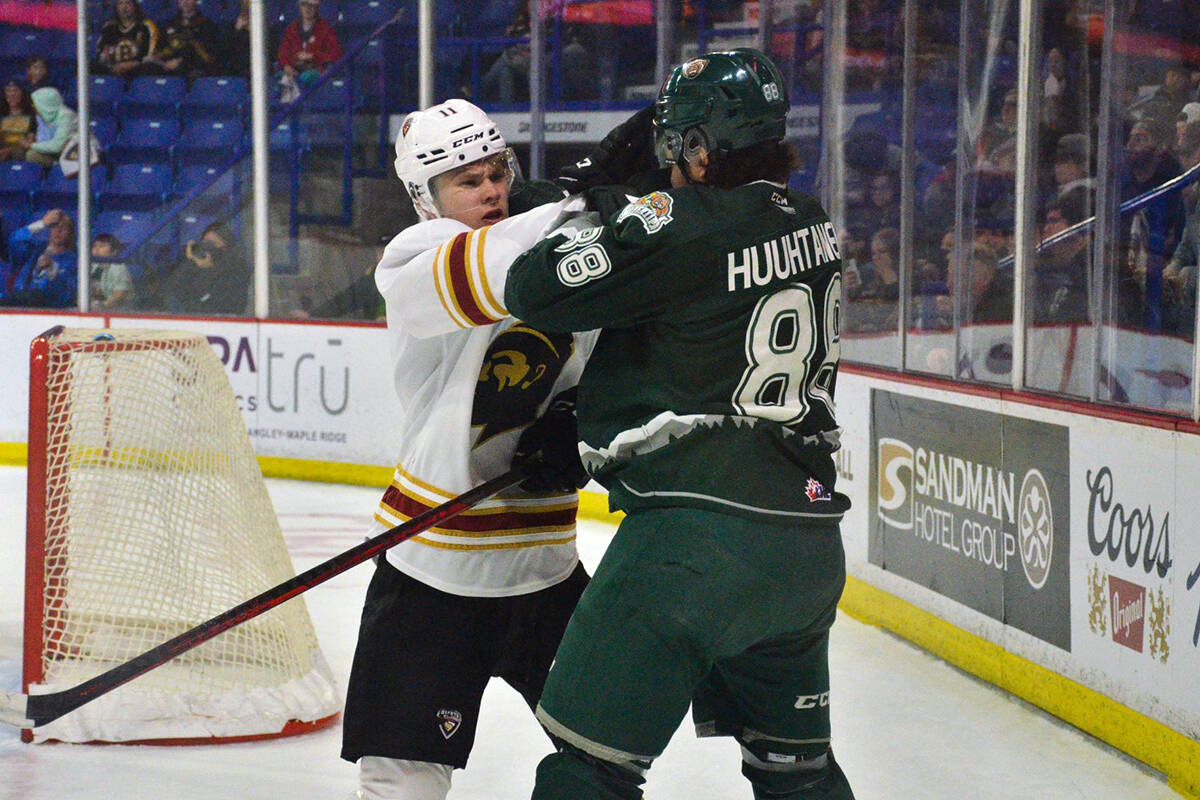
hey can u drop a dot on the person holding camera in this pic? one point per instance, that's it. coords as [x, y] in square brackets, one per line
[213, 278]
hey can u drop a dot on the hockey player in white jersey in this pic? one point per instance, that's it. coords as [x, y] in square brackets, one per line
[489, 592]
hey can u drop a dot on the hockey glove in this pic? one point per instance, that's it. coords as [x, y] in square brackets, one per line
[549, 448]
[627, 151]
[533, 194]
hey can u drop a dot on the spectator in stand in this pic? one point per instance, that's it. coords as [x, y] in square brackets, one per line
[876, 287]
[1071, 164]
[1179, 275]
[1055, 83]
[989, 289]
[110, 282]
[578, 77]
[1060, 279]
[126, 41]
[18, 126]
[213, 278]
[1169, 98]
[1187, 115]
[852, 246]
[37, 74]
[510, 71]
[1150, 233]
[44, 276]
[190, 45]
[881, 277]
[239, 41]
[56, 125]
[308, 47]
[883, 201]
[999, 134]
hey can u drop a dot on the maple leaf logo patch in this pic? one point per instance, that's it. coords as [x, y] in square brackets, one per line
[814, 491]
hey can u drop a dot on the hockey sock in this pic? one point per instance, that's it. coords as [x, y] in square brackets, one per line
[815, 779]
[397, 779]
[571, 774]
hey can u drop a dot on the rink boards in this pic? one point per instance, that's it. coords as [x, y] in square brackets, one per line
[1049, 550]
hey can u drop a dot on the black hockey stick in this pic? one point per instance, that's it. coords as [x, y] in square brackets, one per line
[40, 709]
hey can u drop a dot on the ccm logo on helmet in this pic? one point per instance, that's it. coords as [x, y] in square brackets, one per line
[466, 139]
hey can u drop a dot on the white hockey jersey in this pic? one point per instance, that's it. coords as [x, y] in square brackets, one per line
[469, 380]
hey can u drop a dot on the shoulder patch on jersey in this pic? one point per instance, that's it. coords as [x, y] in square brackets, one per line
[694, 67]
[653, 211]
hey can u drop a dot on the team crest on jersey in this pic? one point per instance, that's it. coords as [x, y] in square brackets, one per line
[653, 211]
[517, 374]
[694, 67]
[814, 491]
[449, 722]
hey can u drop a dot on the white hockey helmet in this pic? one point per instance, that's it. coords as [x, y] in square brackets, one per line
[441, 138]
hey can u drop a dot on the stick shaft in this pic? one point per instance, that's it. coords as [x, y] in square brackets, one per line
[44, 708]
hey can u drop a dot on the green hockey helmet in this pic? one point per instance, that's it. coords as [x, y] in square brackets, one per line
[721, 101]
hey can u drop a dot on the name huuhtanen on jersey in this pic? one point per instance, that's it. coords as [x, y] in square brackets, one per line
[782, 258]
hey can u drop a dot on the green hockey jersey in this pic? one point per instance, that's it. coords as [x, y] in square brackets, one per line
[712, 382]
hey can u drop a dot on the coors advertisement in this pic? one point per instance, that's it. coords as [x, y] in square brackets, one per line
[975, 506]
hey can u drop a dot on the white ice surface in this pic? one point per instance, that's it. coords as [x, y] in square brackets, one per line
[906, 726]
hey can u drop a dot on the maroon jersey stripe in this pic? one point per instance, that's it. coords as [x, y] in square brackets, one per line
[407, 506]
[460, 282]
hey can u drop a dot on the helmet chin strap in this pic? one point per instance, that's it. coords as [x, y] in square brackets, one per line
[687, 173]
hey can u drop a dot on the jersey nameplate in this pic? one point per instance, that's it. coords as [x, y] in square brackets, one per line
[782, 258]
[653, 211]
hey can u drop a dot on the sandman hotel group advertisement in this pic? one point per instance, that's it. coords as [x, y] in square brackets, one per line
[974, 505]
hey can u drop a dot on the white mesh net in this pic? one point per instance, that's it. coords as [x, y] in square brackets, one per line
[157, 519]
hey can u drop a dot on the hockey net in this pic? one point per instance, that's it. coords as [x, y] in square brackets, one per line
[148, 515]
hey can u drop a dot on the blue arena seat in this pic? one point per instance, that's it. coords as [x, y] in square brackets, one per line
[157, 97]
[360, 18]
[216, 98]
[56, 190]
[18, 179]
[328, 10]
[191, 228]
[223, 12]
[11, 218]
[220, 192]
[105, 131]
[143, 248]
[158, 9]
[144, 141]
[208, 142]
[332, 95]
[136, 187]
[325, 131]
[103, 93]
[19, 41]
[285, 136]
[62, 47]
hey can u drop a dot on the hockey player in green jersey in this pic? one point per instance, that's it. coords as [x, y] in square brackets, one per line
[707, 411]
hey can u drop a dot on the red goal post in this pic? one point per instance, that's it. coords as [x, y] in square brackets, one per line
[147, 514]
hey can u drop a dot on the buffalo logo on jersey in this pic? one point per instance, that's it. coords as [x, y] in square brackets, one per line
[449, 722]
[653, 211]
[694, 67]
[518, 372]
